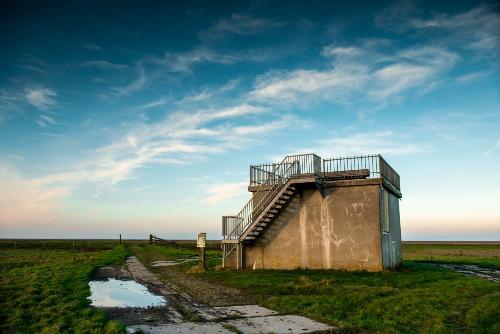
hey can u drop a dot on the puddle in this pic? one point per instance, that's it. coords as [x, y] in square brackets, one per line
[119, 293]
[472, 270]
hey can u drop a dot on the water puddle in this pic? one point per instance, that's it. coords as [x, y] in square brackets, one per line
[119, 293]
[472, 270]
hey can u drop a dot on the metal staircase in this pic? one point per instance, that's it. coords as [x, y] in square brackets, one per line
[273, 193]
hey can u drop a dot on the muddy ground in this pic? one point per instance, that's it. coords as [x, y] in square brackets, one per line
[138, 315]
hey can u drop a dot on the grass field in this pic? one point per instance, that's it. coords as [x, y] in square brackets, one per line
[44, 288]
[486, 255]
[418, 298]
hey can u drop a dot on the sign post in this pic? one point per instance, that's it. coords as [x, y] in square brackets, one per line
[202, 238]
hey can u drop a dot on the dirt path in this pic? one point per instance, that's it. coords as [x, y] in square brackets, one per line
[205, 292]
[472, 270]
[182, 314]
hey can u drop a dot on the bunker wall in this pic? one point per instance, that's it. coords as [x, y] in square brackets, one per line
[339, 230]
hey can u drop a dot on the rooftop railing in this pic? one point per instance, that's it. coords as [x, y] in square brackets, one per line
[270, 178]
[376, 166]
[306, 164]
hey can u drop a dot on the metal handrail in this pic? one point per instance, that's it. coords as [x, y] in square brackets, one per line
[271, 178]
[309, 164]
[375, 164]
[290, 166]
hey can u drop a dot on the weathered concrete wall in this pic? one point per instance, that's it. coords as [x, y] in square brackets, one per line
[392, 250]
[338, 231]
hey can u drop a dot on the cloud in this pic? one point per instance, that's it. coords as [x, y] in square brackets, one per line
[383, 142]
[456, 124]
[367, 73]
[475, 29]
[104, 65]
[238, 24]
[137, 84]
[41, 98]
[91, 47]
[32, 62]
[181, 138]
[24, 203]
[220, 192]
[45, 120]
[139, 189]
[183, 61]
[9, 104]
[495, 147]
[153, 104]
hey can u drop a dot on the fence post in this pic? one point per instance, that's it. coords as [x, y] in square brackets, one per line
[202, 237]
[150, 239]
[120, 239]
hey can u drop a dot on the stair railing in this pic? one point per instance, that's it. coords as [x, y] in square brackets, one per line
[289, 167]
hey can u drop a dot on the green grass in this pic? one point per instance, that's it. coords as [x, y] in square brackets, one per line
[149, 253]
[417, 298]
[485, 255]
[46, 291]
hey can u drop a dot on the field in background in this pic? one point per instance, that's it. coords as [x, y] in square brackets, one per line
[486, 254]
[43, 287]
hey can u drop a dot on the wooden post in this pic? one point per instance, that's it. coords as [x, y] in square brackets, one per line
[150, 239]
[120, 239]
[202, 238]
[202, 257]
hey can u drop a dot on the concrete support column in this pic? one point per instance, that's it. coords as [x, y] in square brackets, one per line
[239, 256]
[223, 255]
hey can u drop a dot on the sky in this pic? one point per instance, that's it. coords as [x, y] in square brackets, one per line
[139, 117]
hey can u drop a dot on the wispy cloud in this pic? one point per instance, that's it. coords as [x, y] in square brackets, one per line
[41, 98]
[138, 83]
[182, 138]
[32, 63]
[239, 24]
[454, 125]
[45, 120]
[92, 47]
[384, 142]
[370, 72]
[475, 29]
[183, 61]
[220, 192]
[494, 148]
[104, 65]
[153, 104]
[9, 104]
[209, 93]
[139, 189]
[23, 202]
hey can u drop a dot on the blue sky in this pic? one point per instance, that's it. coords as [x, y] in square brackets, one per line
[138, 118]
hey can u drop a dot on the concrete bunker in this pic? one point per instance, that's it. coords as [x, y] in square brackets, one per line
[310, 213]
